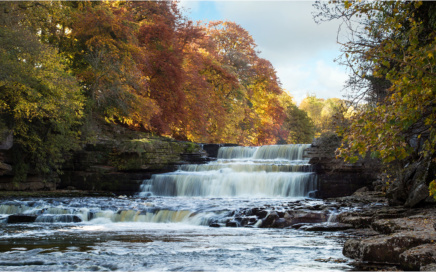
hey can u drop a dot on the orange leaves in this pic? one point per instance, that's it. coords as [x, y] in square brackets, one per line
[143, 64]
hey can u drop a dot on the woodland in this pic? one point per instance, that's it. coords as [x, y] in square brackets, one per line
[66, 66]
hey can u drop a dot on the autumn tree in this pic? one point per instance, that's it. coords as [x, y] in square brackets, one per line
[40, 101]
[259, 87]
[109, 60]
[326, 114]
[391, 53]
[298, 124]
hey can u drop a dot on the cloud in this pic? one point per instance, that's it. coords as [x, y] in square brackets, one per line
[282, 27]
[301, 50]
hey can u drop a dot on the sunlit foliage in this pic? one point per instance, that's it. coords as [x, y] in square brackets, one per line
[391, 51]
[139, 64]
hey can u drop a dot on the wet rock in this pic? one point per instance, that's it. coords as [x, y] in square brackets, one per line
[304, 216]
[215, 225]
[232, 224]
[299, 225]
[417, 257]
[385, 249]
[261, 214]
[21, 218]
[326, 227]
[280, 223]
[269, 220]
[64, 218]
[248, 221]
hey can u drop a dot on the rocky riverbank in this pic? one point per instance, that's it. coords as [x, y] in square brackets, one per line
[389, 237]
[380, 237]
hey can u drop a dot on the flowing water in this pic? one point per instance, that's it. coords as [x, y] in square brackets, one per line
[166, 227]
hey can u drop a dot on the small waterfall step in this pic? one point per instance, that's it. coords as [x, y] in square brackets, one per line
[265, 171]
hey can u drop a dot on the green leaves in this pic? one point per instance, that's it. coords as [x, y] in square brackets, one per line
[395, 44]
[42, 103]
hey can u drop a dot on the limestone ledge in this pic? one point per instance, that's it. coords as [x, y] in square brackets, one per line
[390, 238]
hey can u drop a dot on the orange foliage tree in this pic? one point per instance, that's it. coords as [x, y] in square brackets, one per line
[143, 65]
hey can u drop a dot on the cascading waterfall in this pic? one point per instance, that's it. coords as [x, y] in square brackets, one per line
[265, 171]
[196, 194]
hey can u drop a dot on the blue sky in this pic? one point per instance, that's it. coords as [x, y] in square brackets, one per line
[301, 51]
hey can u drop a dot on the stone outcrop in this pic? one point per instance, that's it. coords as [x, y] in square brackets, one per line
[411, 188]
[391, 237]
[335, 177]
[115, 163]
[121, 166]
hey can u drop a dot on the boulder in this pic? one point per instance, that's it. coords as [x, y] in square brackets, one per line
[269, 220]
[429, 267]
[280, 223]
[385, 226]
[232, 224]
[417, 257]
[386, 249]
[357, 222]
[305, 216]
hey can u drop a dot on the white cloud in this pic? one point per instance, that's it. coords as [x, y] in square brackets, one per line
[301, 50]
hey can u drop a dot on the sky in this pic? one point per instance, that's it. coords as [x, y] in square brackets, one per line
[301, 51]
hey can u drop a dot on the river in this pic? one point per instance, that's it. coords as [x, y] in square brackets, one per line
[199, 218]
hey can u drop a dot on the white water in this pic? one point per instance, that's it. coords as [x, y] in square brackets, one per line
[266, 171]
[166, 228]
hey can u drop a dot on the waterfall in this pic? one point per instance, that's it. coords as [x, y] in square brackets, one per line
[265, 171]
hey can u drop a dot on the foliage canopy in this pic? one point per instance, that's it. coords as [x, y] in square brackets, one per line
[391, 52]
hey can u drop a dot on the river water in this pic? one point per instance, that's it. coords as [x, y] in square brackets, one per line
[188, 220]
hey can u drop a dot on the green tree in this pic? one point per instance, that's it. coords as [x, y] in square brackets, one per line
[299, 125]
[326, 114]
[39, 100]
[394, 50]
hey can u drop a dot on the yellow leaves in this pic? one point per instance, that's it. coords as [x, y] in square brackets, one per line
[430, 55]
[432, 188]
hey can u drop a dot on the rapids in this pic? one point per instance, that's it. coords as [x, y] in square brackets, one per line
[166, 226]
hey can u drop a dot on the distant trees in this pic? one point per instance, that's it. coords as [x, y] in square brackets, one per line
[326, 115]
[300, 126]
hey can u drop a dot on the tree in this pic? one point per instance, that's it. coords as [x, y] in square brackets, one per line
[313, 107]
[39, 100]
[391, 52]
[300, 127]
[108, 59]
[258, 89]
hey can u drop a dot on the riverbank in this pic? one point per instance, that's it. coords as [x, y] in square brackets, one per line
[388, 237]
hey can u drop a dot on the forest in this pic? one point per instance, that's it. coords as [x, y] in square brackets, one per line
[67, 66]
